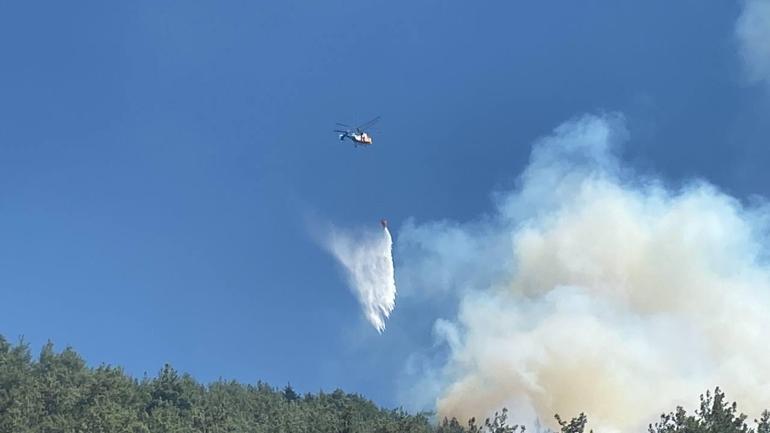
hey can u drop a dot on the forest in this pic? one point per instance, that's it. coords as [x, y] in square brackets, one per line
[57, 392]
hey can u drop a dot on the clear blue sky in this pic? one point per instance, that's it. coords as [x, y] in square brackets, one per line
[158, 159]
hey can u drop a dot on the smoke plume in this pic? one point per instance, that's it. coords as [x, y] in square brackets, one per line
[368, 261]
[753, 33]
[593, 288]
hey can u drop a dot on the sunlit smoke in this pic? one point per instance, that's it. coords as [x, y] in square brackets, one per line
[594, 289]
[368, 261]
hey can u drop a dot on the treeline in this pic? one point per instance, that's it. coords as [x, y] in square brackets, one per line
[58, 393]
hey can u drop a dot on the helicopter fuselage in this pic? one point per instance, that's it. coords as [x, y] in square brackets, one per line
[362, 139]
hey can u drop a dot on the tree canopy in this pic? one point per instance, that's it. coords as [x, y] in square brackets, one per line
[59, 393]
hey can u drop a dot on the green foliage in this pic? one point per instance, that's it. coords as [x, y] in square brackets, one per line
[499, 424]
[763, 423]
[289, 394]
[575, 425]
[59, 393]
[450, 426]
[715, 415]
[496, 424]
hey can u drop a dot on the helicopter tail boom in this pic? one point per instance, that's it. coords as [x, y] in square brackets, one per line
[343, 134]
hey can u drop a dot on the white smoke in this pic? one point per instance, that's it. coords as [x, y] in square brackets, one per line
[592, 288]
[368, 261]
[753, 33]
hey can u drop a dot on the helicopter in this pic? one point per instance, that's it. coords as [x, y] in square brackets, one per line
[357, 135]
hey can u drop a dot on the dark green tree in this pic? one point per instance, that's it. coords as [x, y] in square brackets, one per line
[499, 424]
[763, 423]
[289, 394]
[715, 415]
[575, 425]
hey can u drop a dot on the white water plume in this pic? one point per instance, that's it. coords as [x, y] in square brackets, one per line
[594, 289]
[368, 262]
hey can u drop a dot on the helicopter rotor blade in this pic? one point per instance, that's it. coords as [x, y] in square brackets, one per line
[368, 124]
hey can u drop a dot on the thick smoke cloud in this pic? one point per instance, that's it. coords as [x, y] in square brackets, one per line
[592, 288]
[753, 33]
[368, 261]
